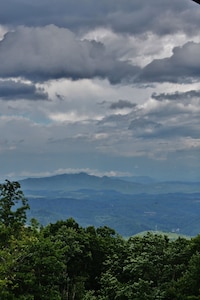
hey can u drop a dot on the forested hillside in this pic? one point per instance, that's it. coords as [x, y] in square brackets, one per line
[64, 261]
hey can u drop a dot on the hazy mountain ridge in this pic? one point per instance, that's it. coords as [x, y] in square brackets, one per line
[71, 182]
[128, 207]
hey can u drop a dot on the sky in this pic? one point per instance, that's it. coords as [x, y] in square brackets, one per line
[108, 87]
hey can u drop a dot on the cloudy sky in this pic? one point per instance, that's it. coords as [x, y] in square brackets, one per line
[109, 87]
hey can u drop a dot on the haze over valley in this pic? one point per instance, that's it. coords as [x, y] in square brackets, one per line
[130, 207]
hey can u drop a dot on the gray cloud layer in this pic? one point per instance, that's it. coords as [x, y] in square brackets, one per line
[39, 51]
[122, 15]
[182, 66]
[177, 96]
[12, 90]
[51, 52]
[121, 104]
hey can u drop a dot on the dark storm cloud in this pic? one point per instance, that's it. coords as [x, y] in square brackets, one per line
[182, 66]
[121, 104]
[177, 96]
[50, 52]
[11, 90]
[136, 16]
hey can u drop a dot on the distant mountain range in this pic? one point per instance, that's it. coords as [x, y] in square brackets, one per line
[129, 205]
[128, 185]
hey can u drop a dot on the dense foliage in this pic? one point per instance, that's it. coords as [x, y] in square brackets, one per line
[66, 261]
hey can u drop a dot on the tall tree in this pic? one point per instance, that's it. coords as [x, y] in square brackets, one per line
[13, 207]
